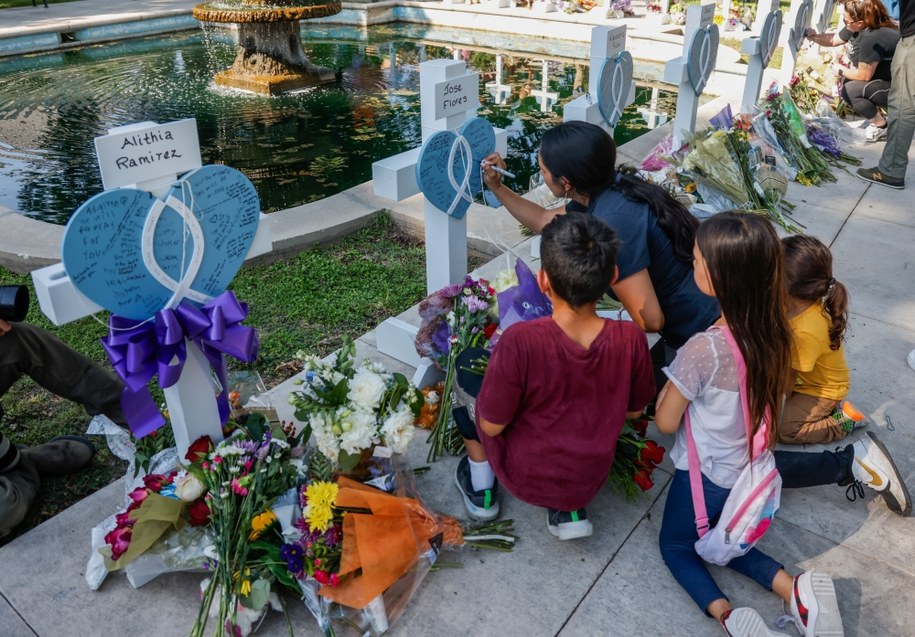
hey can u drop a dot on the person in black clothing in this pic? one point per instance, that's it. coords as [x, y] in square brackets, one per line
[871, 36]
[26, 350]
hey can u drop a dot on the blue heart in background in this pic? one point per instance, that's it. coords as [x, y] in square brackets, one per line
[101, 248]
[432, 166]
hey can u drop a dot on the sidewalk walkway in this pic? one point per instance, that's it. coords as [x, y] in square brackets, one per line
[613, 583]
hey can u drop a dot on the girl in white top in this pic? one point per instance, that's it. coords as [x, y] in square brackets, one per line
[738, 260]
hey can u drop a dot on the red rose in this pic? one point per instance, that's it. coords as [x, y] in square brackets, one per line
[198, 512]
[199, 449]
[640, 425]
[154, 482]
[643, 479]
[652, 452]
[490, 329]
[322, 577]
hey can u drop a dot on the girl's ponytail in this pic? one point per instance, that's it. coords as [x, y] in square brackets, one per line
[808, 277]
[835, 302]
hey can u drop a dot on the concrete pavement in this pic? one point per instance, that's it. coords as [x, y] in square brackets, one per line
[615, 582]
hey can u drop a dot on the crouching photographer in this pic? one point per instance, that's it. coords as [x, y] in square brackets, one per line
[27, 350]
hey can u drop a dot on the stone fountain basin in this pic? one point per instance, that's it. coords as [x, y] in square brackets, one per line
[249, 13]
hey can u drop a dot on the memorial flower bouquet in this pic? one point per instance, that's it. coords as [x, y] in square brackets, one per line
[357, 553]
[162, 504]
[243, 477]
[781, 125]
[349, 407]
[457, 317]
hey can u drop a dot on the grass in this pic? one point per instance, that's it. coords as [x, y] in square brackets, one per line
[305, 302]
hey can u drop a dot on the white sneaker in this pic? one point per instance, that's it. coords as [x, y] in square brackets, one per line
[814, 607]
[874, 134]
[746, 622]
[874, 467]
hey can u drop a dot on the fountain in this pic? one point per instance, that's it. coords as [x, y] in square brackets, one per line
[270, 58]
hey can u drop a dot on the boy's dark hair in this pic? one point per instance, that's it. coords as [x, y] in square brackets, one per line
[578, 252]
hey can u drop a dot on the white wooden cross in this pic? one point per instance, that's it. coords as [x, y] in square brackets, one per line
[191, 414]
[760, 48]
[606, 44]
[544, 96]
[822, 14]
[499, 91]
[793, 37]
[449, 96]
[691, 70]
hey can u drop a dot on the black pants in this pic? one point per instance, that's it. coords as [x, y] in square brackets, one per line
[865, 97]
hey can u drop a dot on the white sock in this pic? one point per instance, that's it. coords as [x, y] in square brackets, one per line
[481, 475]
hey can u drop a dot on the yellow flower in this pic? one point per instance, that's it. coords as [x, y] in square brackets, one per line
[245, 588]
[321, 497]
[322, 493]
[260, 523]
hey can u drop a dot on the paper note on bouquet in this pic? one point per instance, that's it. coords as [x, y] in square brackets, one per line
[448, 169]
[135, 254]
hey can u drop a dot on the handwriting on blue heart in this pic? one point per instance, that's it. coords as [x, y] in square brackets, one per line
[104, 242]
[614, 87]
[448, 169]
[702, 56]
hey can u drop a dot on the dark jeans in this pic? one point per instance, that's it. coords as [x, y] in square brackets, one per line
[802, 469]
[678, 537]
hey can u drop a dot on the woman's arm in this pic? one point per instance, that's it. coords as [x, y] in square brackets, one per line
[669, 409]
[823, 39]
[637, 295]
[864, 72]
[527, 212]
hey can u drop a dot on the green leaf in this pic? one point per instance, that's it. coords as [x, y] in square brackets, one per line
[348, 461]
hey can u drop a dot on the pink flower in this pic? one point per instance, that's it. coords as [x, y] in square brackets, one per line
[139, 494]
[238, 488]
[119, 540]
[322, 577]
[123, 519]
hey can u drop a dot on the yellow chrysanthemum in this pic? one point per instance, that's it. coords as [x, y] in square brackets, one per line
[322, 494]
[321, 497]
[260, 523]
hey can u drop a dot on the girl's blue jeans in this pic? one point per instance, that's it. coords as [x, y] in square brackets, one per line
[678, 535]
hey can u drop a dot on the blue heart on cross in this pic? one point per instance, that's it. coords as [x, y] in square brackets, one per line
[161, 266]
[702, 56]
[768, 36]
[448, 168]
[614, 86]
[135, 254]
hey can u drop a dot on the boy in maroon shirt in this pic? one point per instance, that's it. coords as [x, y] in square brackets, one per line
[557, 390]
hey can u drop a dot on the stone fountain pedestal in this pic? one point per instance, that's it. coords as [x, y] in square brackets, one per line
[270, 58]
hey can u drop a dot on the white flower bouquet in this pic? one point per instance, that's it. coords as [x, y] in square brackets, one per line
[351, 408]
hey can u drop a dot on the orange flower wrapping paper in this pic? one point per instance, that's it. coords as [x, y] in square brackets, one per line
[384, 544]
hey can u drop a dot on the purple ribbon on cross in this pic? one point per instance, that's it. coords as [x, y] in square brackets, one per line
[141, 350]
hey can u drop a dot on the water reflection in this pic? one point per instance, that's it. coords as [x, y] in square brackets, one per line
[296, 148]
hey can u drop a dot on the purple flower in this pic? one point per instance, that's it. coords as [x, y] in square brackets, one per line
[332, 536]
[451, 291]
[474, 305]
[824, 141]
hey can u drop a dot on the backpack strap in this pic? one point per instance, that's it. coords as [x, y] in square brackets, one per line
[695, 468]
[695, 479]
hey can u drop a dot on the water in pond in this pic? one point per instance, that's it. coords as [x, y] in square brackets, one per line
[295, 148]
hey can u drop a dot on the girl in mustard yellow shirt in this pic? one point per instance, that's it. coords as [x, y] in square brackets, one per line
[816, 409]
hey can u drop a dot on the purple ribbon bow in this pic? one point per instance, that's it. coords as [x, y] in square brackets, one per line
[141, 350]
